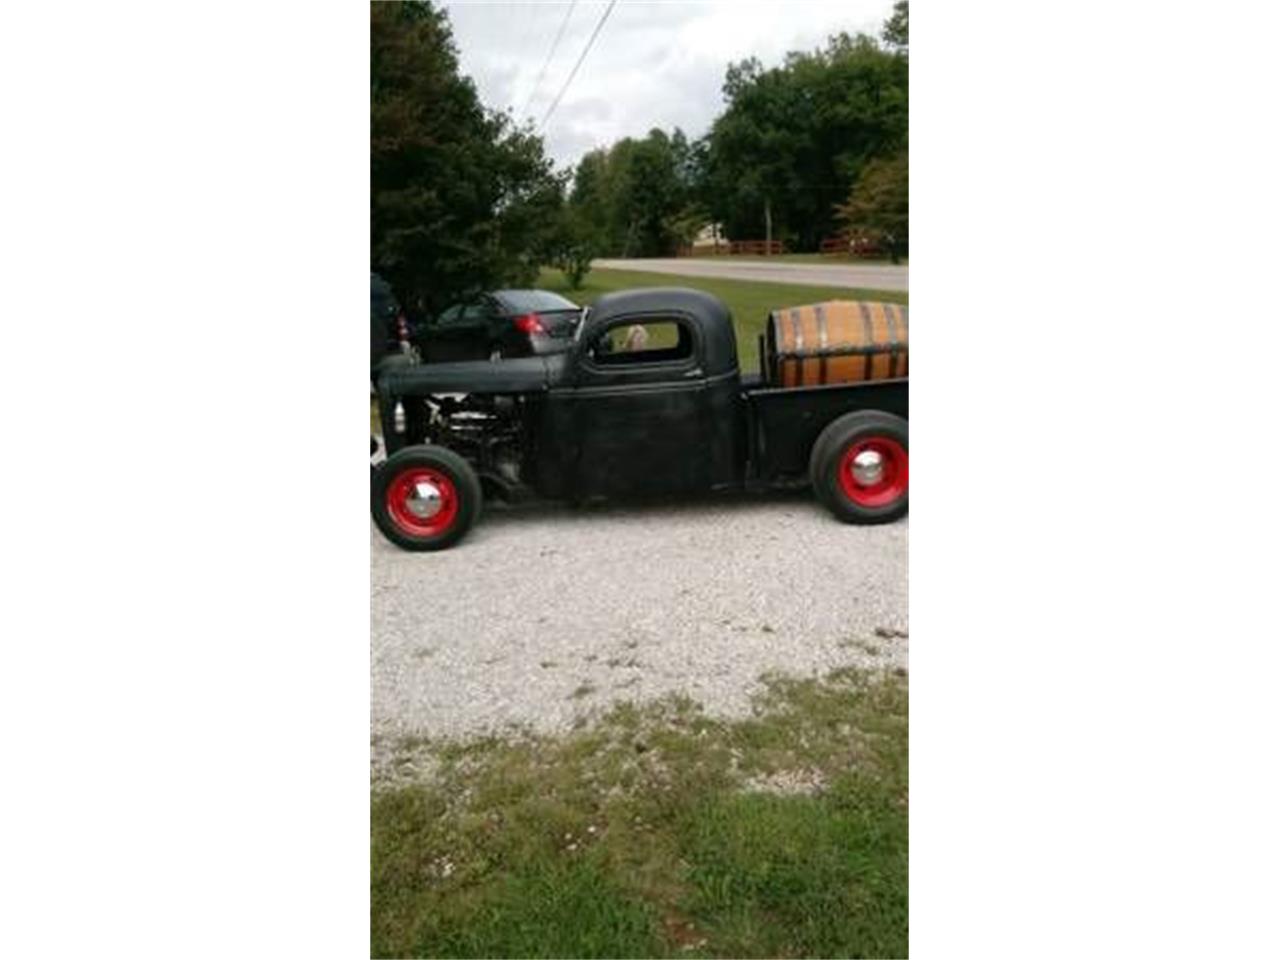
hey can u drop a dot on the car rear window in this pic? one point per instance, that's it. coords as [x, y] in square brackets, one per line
[532, 301]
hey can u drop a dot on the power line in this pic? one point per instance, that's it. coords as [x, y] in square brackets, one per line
[547, 62]
[574, 72]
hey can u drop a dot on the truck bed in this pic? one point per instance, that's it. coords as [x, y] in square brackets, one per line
[784, 422]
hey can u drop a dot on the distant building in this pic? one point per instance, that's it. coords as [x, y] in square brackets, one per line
[710, 237]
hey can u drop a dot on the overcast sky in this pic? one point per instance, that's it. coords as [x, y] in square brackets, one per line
[656, 63]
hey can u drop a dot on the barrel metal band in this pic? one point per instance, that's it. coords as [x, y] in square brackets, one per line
[869, 337]
[891, 312]
[841, 350]
[905, 340]
[797, 337]
[821, 314]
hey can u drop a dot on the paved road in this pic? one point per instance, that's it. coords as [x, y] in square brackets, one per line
[873, 276]
[544, 613]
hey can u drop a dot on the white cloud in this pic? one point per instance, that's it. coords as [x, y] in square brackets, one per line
[654, 64]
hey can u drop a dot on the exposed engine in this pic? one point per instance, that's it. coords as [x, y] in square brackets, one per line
[487, 430]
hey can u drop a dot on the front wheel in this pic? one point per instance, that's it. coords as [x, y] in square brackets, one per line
[425, 498]
[859, 467]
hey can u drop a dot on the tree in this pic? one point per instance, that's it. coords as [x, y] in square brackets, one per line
[793, 139]
[575, 245]
[633, 190]
[461, 198]
[653, 193]
[685, 226]
[895, 28]
[877, 205]
[597, 195]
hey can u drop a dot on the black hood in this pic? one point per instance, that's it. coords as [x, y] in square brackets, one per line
[517, 375]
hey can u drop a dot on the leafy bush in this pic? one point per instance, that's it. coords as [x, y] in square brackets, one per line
[576, 244]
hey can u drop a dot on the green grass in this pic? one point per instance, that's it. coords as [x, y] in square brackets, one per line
[658, 831]
[749, 301]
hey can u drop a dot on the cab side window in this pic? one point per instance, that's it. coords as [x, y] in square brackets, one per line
[647, 340]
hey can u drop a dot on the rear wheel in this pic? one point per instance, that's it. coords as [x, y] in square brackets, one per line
[859, 467]
[425, 498]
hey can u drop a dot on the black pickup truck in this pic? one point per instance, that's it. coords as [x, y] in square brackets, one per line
[648, 401]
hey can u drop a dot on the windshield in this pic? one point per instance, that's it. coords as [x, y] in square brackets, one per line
[534, 301]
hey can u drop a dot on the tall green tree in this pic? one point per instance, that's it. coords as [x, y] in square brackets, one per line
[895, 28]
[654, 194]
[793, 139]
[877, 204]
[877, 207]
[461, 198]
[634, 193]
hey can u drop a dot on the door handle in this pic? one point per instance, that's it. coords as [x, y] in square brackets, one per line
[695, 372]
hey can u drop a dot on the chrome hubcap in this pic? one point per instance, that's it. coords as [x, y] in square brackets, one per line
[423, 500]
[868, 468]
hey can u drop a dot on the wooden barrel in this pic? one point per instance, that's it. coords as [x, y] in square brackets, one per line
[840, 341]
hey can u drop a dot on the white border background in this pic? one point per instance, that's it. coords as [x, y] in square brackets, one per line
[184, 679]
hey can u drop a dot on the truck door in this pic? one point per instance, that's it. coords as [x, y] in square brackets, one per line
[640, 408]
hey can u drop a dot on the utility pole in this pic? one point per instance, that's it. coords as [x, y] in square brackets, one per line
[768, 227]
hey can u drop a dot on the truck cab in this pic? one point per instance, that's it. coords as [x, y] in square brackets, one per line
[644, 403]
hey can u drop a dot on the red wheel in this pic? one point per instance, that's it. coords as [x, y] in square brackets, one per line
[425, 497]
[422, 502]
[858, 467]
[873, 471]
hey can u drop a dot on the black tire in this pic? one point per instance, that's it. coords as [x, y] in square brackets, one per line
[462, 503]
[826, 462]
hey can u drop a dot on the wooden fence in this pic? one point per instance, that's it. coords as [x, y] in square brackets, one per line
[844, 246]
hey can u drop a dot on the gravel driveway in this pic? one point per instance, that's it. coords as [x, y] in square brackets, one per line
[544, 613]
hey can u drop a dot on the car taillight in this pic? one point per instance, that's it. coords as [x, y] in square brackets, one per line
[530, 323]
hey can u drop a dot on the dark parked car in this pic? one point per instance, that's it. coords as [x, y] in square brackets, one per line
[501, 323]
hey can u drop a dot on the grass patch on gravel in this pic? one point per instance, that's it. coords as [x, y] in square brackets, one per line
[750, 301]
[658, 831]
